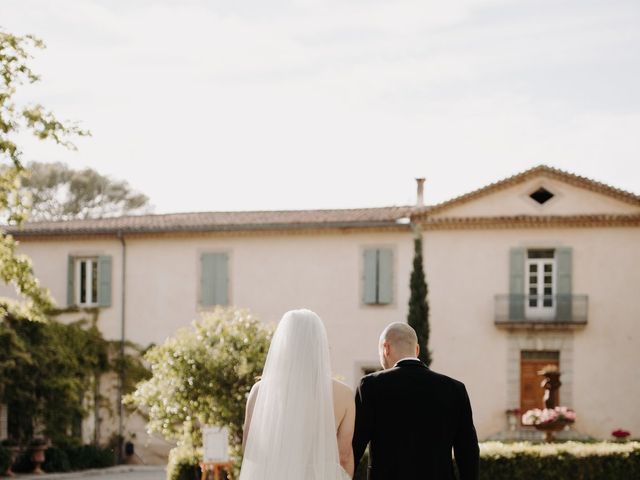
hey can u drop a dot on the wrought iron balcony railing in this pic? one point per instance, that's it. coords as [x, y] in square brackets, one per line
[541, 309]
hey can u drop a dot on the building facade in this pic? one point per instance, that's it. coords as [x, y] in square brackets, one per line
[541, 268]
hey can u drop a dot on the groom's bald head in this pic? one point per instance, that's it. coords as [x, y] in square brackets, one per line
[397, 341]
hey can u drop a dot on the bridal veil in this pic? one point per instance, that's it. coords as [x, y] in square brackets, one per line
[292, 434]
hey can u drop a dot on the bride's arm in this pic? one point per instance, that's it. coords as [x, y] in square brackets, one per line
[345, 436]
[251, 401]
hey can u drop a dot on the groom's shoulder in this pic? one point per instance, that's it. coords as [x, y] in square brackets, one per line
[445, 379]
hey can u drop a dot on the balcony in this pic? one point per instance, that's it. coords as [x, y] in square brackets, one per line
[541, 311]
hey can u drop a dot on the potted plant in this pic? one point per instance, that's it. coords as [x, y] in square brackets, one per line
[13, 448]
[37, 447]
[549, 420]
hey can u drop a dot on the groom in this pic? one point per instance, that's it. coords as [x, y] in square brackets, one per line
[412, 417]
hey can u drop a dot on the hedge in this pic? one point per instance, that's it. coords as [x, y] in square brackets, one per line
[503, 461]
[67, 458]
[560, 461]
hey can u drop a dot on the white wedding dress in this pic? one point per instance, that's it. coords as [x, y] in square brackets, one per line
[292, 433]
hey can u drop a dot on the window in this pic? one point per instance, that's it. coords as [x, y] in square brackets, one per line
[214, 279]
[378, 276]
[542, 195]
[87, 282]
[540, 284]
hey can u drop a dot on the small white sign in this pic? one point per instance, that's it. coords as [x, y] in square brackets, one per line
[215, 442]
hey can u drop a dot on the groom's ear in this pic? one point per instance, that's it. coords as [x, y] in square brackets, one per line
[417, 349]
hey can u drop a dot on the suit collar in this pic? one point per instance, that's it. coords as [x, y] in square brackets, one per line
[410, 362]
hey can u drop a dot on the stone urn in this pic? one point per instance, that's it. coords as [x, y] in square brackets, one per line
[13, 449]
[37, 447]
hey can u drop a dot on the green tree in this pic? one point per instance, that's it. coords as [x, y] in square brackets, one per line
[202, 376]
[59, 192]
[418, 316]
[15, 118]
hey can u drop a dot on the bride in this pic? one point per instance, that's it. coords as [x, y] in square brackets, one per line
[299, 422]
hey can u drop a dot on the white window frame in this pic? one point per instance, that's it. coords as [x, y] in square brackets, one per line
[541, 312]
[90, 262]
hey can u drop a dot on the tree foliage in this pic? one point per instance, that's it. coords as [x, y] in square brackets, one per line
[15, 118]
[59, 192]
[418, 316]
[49, 369]
[202, 376]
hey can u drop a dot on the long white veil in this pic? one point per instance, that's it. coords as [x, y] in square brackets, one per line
[292, 432]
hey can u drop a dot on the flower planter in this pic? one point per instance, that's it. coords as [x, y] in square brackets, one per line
[550, 428]
[37, 457]
[14, 450]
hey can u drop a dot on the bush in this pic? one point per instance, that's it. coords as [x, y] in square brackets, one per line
[56, 460]
[84, 457]
[184, 464]
[23, 463]
[202, 376]
[560, 461]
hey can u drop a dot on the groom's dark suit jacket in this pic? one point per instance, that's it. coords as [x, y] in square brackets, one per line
[412, 418]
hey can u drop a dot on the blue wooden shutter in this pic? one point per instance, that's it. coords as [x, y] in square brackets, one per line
[564, 265]
[370, 281]
[214, 283]
[104, 281]
[516, 283]
[385, 275]
[71, 274]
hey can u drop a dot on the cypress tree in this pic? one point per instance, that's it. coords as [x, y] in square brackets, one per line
[418, 305]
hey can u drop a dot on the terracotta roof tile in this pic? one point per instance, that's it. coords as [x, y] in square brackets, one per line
[221, 221]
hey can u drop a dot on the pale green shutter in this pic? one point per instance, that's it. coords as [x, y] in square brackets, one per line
[564, 286]
[516, 283]
[214, 279]
[370, 281]
[71, 274]
[104, 281]
[385, 275]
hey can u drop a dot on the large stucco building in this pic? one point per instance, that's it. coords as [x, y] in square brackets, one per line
[540, 268]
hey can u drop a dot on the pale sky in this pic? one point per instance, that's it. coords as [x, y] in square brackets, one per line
[276, 104]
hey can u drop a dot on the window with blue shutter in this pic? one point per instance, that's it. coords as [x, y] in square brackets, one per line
[104, 281]
[378, 276]
[89, 281]
[214, 279]
[516, 283]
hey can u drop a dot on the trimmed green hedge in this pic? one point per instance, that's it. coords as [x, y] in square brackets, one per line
[554, 461]
[560, 461]
[503, 461]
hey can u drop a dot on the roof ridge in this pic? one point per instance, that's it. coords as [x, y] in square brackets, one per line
[219, 212]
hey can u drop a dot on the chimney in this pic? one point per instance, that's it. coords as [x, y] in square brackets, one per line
[420, 200]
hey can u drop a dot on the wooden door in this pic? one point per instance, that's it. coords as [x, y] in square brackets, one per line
[531, 391]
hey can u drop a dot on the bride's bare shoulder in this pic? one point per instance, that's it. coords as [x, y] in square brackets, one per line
[341, 388]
